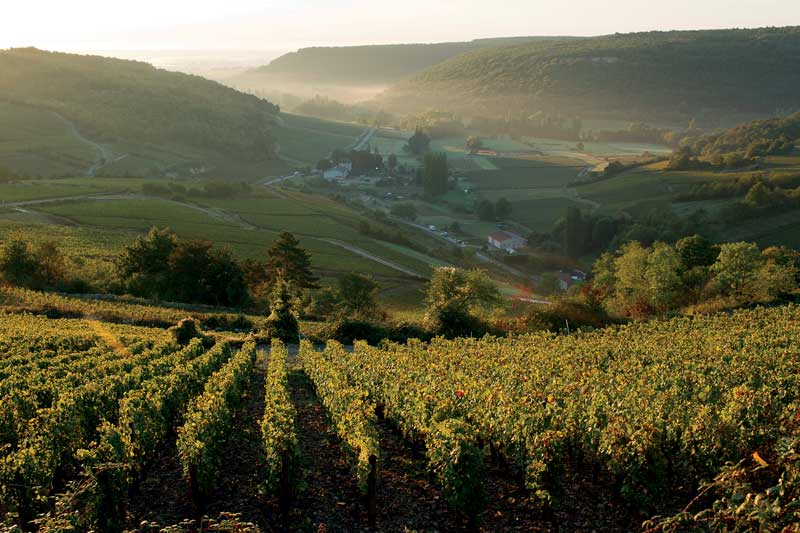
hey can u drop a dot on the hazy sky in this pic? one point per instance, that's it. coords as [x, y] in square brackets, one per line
[286, 24]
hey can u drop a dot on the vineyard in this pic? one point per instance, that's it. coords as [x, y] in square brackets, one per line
[686, 424]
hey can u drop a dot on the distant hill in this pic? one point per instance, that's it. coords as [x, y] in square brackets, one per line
[371, 65]
[132, 108]
[328, 68]
[636, 75]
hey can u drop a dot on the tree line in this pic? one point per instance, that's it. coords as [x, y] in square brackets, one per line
[161, 266]
[639, 280]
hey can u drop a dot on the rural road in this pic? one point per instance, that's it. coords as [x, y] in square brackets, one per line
[368, 255]
[365, 138]
[486, 259]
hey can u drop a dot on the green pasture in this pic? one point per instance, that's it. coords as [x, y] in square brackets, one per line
[520, 174]
[563, 148]
[34, 142]
[247, 226]
[628, 189]
[307, 140]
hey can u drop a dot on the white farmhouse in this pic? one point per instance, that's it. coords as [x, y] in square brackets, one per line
[505, 240]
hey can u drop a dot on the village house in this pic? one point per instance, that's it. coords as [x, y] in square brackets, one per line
[507, 241]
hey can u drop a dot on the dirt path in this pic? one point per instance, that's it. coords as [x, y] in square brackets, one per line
[329, 498]
[239, 489]
[407, 499]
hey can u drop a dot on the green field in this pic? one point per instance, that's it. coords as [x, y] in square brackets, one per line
[138, 215]
[630, 188]
[37, 189]
[539, 214]
[568, 148]
[306, 140]
[522, 174]
[35, 142]
[95, 217]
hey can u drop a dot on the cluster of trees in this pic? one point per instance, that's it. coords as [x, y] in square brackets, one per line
[419, 143]
[490, 212]
[161, 266]
[641, 280]
[737, 147]
[111, 100]
[364, 161]
[39, 267]
[404, 210]
[740, 186]
[353, 297]
[754, 139]
[761, 200]
[581, 233]
[538, 124]
[330, 109]
[637, 132]
[436, 124]
[684, 160]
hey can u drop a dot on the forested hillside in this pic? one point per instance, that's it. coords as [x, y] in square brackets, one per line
[126, 102]
[370, 65]
[641, 75]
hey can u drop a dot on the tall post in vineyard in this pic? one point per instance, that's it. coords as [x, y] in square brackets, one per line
[195, 492]
[285, 488]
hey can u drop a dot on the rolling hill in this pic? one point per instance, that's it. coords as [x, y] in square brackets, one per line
[637, 76]
[63, 113]
[372, 67]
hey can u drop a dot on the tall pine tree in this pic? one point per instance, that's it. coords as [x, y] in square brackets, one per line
[289, 260]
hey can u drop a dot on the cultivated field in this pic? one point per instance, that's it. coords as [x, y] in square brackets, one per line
[607, 428]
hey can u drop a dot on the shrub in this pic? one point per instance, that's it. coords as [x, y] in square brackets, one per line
[281, 326]
[227, 323]
[186, 330]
